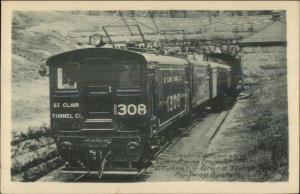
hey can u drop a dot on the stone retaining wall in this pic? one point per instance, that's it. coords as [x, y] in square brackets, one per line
[33, 154]
[263, 63]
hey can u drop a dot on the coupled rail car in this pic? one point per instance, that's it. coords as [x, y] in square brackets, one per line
[108, 105]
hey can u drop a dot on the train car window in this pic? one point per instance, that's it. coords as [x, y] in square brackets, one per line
[66, 79]
[99, 73]
[129, 76]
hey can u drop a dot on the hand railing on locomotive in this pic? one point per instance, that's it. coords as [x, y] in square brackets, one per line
[152, 94]
[102, 165]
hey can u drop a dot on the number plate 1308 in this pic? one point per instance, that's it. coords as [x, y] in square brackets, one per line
[130, 109]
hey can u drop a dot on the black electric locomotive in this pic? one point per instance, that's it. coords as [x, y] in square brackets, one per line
[107, 104]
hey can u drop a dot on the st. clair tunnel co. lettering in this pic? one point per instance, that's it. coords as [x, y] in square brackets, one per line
[66, 105]
[66, 116]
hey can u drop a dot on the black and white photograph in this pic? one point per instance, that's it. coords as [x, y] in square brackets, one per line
[137, 95]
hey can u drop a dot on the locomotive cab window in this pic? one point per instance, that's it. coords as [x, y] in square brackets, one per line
[66, 79]
[129, 76]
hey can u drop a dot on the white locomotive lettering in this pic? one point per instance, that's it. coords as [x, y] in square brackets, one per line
[66, 105]
[122, 109]
[176, 78]
[131, 109]
[173, 102]
[70, 105]
[62, 116]
[78, 116]
[170, 79]
[56, 105]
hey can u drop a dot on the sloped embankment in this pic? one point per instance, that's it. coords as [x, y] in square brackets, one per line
[252, 144]
[33, 150]
[30, 91]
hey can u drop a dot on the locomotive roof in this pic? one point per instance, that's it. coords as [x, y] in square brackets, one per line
[74, 56]
[120, 54]
[198, 63]
[216, 65]
[163, 59]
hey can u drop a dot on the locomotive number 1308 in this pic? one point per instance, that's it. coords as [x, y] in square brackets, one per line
[130, 109]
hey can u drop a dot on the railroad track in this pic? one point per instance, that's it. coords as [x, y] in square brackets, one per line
[166, 146]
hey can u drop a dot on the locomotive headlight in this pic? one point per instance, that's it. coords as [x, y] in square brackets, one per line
[95, 40]
[133, 145]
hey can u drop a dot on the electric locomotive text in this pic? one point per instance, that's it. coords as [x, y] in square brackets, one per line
[107, 105]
